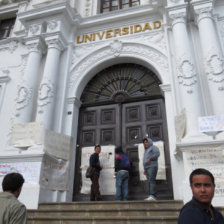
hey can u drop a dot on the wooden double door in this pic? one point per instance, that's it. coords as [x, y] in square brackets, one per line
[126, 124]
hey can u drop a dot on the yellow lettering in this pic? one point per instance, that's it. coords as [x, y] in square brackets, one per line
[89, 38]
[117, 31]
[147, 27]
[125, 31]
[78, 39]
[94, 36]
[157, 24]
[138, 28]
[131, 29]
[100, 36]
[108, 34]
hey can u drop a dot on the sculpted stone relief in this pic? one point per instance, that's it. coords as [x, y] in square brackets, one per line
[214, 67]
[46, 94]
[116, 48]
[186, 72]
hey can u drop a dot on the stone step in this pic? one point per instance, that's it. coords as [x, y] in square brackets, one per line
[146, 212]
[113, 205]
[104, 220]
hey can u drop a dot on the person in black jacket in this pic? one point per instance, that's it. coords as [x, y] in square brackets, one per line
[200, 210]
[95, 162]
[122, 174]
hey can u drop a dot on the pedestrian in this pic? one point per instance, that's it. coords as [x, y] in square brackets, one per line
[150, 164]
[11, 210]
[200, 210]
[95, 163]
[122, 168]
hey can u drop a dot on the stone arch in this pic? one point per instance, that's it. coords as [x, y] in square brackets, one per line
[83, 71]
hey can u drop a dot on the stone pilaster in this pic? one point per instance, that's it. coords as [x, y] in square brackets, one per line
[186, 71]
[212, 53]
[47, 89]
[27, 89]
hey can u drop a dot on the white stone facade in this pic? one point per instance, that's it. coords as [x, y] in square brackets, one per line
[57, 47]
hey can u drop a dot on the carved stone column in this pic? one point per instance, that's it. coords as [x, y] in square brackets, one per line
[212, 53]
[47, 89]
[27, 89]
[186, 71]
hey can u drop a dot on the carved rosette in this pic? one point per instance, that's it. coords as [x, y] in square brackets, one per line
[214, 67]
[187, 74]
[23, 97]
[116, 47]
[45, 94]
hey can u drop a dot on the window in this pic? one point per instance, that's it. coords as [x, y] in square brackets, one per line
[6, 27]
[111, 5]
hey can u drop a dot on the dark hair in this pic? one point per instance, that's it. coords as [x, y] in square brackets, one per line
[118, 149]
[97, 146]
[12, 182]
[145, 139]
[201, 171]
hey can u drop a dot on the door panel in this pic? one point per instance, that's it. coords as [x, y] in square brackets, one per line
[141, 119]
[125, 124]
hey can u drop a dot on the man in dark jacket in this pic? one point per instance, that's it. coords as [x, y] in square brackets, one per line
[95, 162]
[200, 210]
[122, 167]
[150, 163]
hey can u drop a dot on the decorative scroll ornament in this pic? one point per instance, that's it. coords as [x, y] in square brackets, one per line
[214, 67]
[178, 17]
[46, 94]
[186, 72]
[23, 97]
[116, 47]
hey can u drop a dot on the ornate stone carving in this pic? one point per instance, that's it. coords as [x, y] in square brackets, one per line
[11, 46]
[52, 25]
[46, 94]
[55, 43]
[151, 54]
[186, 72]
[34, 29]
[178, 17]
[23, 97]
[116, 47]
[214, 66]
[203, 12]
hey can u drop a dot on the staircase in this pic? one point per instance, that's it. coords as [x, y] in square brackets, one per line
[108, 212]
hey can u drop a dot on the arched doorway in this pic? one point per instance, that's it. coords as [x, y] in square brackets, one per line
[120, 106]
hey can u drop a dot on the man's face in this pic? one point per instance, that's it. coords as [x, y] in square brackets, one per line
[97, 150]
[146, 144]
[202, 188]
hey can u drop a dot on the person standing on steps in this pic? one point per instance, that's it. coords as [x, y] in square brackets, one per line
[200, 210]
[95, 162]
[122, 167]
[150, 164]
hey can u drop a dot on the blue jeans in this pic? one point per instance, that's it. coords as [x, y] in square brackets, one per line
[151, 173]
[122, 182]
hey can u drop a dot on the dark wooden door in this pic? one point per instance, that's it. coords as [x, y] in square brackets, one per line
[125, 124]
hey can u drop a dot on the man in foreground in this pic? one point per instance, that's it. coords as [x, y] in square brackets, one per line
[11, 210]
[200, 210]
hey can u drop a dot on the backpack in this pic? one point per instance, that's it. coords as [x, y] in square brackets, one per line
[125, 162]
